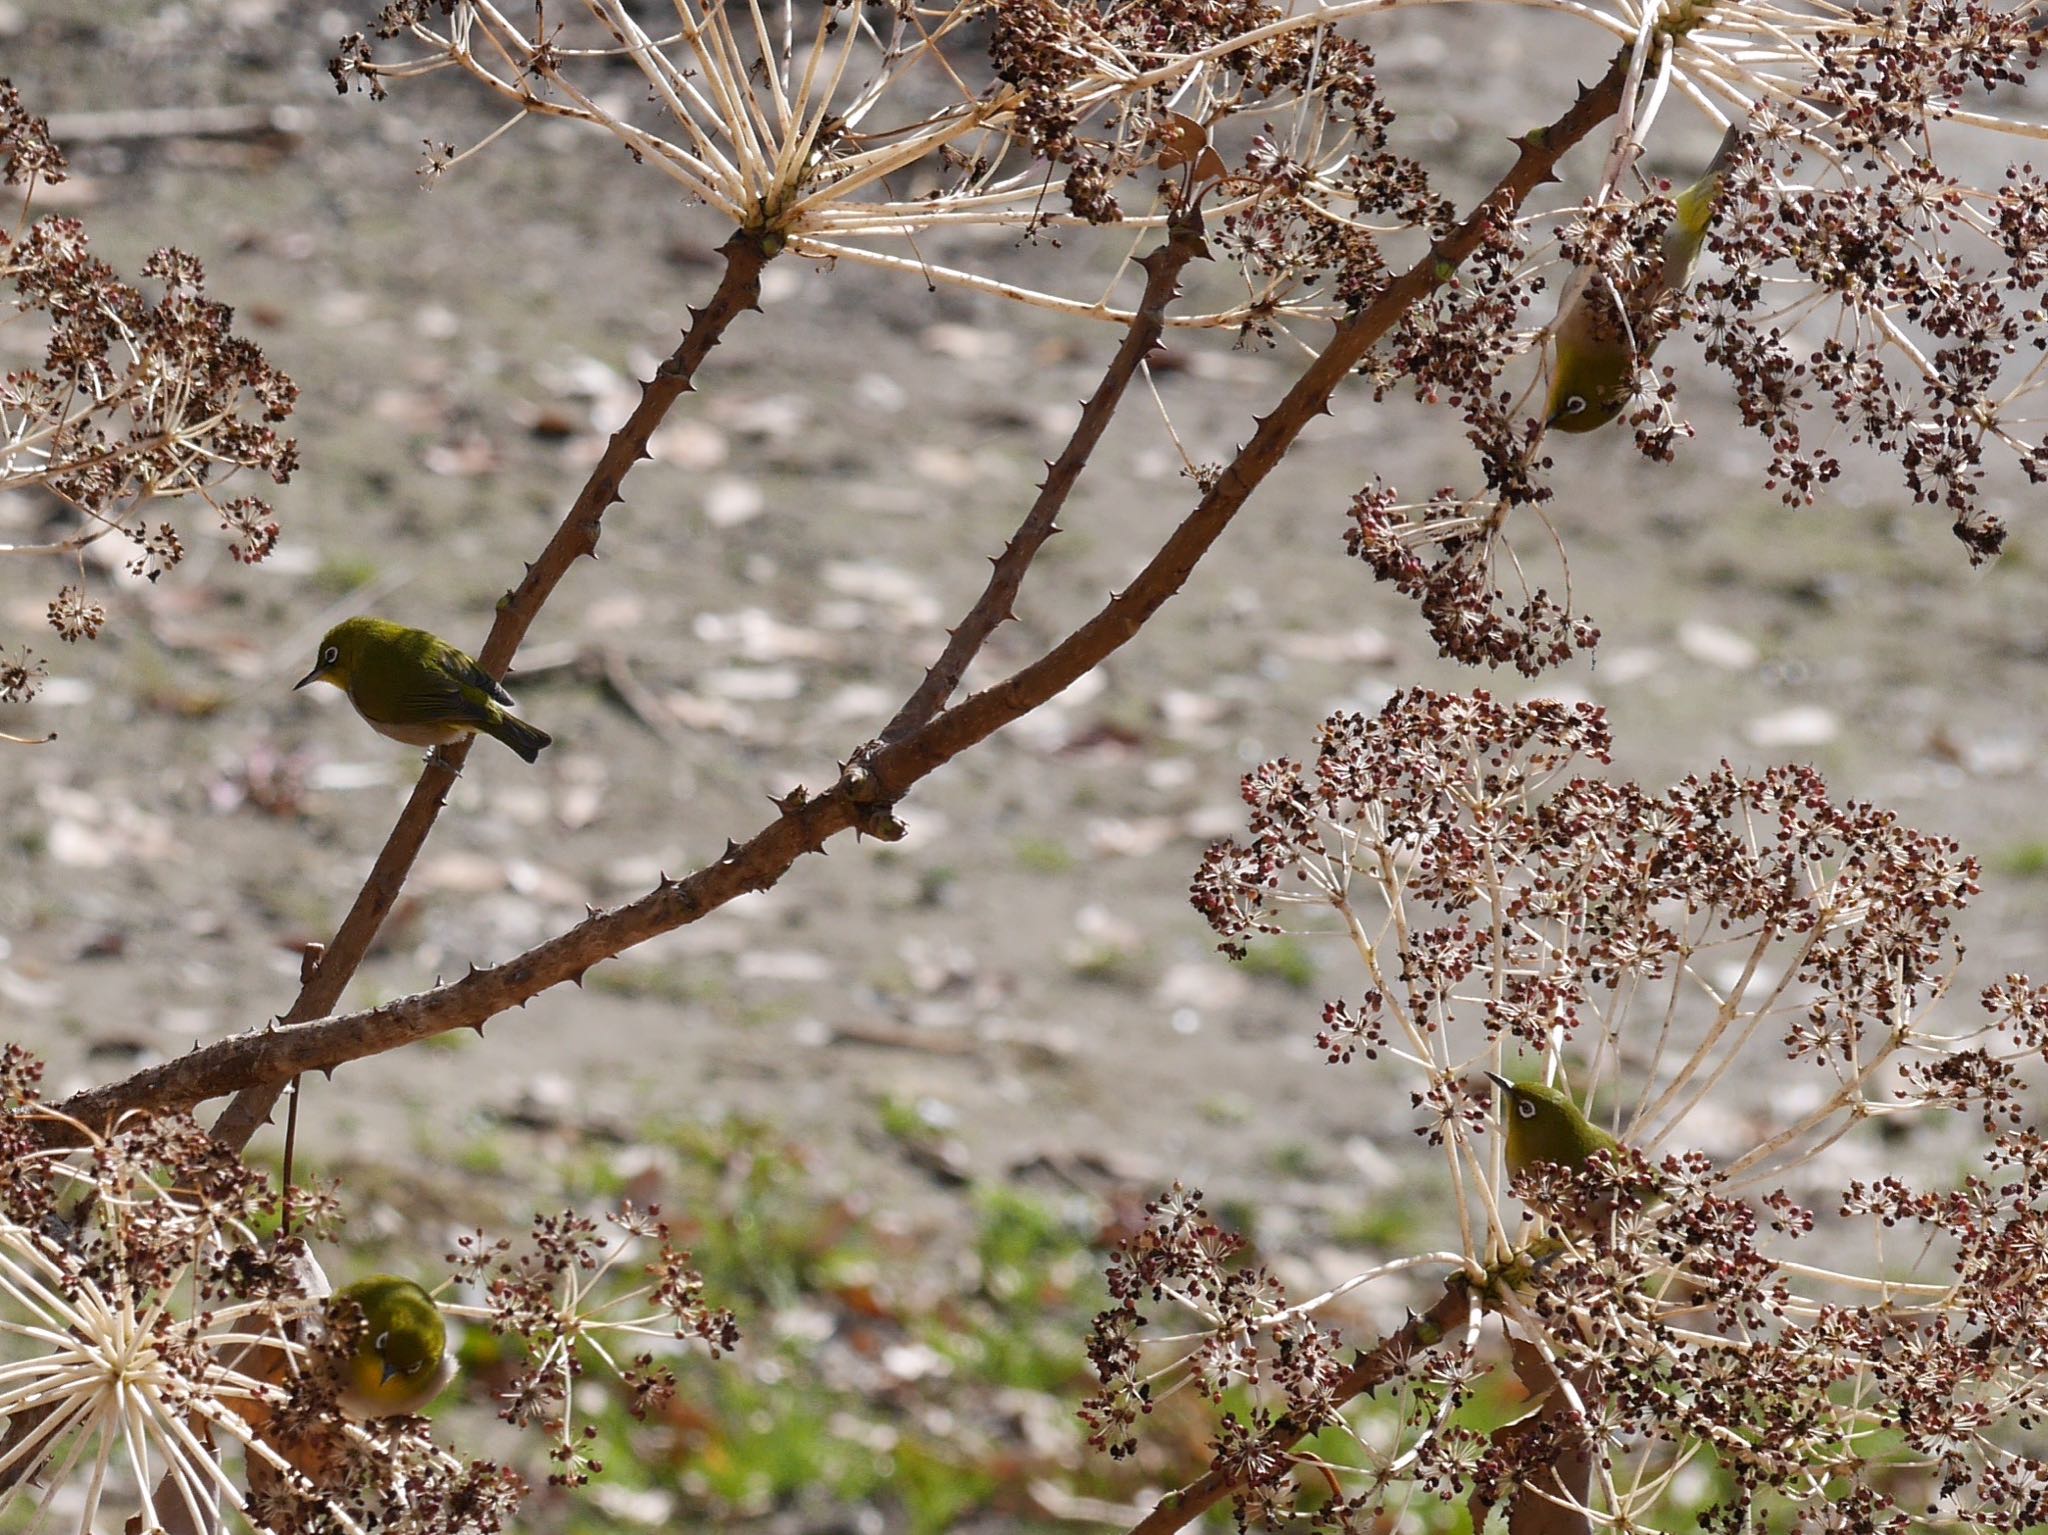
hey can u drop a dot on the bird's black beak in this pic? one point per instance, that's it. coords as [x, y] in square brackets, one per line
[388, 1371]
[311, 676]
[1500, 1081]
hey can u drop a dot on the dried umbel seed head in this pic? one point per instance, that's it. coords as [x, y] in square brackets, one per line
[1446, 554]
[577, 1289]
[148, 1329]
[1569, 890]
[1846, 1351]
[137, 404]
[28, 155]
[1858, 287]
[838, 132]
[21, 674]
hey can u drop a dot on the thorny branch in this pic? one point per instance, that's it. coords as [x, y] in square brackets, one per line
[739, 290]
[256, 1065]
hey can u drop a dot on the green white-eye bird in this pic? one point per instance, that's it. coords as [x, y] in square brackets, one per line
[417, 688]
[1595, 359]
[1544, 1125]
[402, 1362]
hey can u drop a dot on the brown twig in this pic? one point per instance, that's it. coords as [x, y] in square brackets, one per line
[739, 290]
[256, 1065]
[1163, 267]
[1371, 1370]
[1554, 1437]
[213, 122]
[897, 767]
[634, 696]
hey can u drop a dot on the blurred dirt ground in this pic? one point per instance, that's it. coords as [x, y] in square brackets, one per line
[1021, 980]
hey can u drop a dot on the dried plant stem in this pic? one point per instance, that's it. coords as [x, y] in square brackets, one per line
[979, 716]
[1453, 1308]
[257, 1065]
[1215, 319]
[738, 291]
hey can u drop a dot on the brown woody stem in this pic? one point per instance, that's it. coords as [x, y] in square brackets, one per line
[1371, 1370]
[739, 290]
[258, 1064]
[899, 765]
[1550, 1449]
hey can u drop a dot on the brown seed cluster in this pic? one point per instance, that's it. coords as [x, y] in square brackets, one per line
[551, 1292]
[1860, 292]
[137, 403]
[1445, 555]
[1937, 283]
[1180, 1251]
[355, 62]
[1049, 52]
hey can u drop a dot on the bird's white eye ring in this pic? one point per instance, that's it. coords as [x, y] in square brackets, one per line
[416, 1367]
[1574, 405]
[381, 1340]
[330, 655]
[1526, 1108]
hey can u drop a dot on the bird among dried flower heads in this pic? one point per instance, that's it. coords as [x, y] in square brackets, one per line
[1544, 1125]
[1596, 326]
[417, 688]
[401, 1362]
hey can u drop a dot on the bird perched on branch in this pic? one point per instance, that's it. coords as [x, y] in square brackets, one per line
[401, 1362]
[417, 688]
[1597, 324]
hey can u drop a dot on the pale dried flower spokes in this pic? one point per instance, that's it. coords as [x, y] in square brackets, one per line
[846, 130]
[1738, 1313]
[616, 1292]
[117, 407]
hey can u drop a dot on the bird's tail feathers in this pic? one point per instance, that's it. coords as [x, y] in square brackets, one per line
[527, 740]
[1724, 156]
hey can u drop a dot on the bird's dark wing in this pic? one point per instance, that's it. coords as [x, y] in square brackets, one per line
[467, 673]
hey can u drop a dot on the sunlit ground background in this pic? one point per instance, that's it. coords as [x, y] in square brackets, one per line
[907, 1093]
